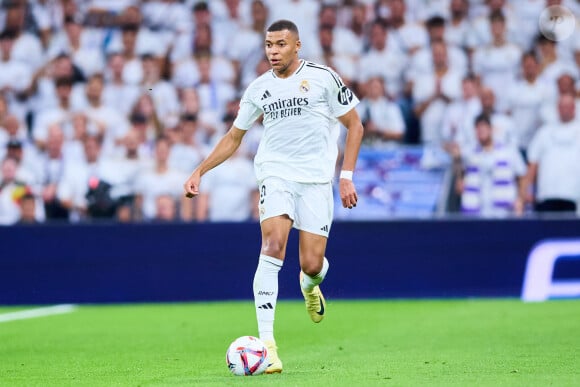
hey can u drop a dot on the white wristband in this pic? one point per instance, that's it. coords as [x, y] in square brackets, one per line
[346, 175]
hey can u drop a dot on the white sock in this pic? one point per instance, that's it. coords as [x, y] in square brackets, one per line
[266, 294]
[309, 282]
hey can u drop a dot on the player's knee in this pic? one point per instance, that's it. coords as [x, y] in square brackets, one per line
[274, 247]
[312, 267]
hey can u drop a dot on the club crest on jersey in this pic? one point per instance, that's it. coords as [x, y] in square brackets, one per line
[304, 86]
[345, 96]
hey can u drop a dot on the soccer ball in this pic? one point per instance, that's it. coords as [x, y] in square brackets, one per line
[246, 356]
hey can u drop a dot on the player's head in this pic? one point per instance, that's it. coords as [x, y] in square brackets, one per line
[282, 44]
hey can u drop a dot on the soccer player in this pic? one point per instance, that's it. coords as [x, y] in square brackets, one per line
[302, 104]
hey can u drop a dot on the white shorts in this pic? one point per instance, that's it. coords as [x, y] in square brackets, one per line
[309, 205]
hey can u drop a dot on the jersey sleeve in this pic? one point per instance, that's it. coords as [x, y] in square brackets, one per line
[249, 110]
[341, 98]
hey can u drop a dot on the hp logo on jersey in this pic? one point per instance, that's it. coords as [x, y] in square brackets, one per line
[345, 96]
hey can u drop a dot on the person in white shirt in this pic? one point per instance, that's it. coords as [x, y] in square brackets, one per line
[422, 61]
[15, 75]
[382, 118]
[83, 45]
[383, 59]
[498, 63]
[432, 94]
[303, 104]
[458, 27]
[565, 84]
[229, 194]
[158, 180]
[408, 36]
[457, 126]
[526, 99]
[554, 162]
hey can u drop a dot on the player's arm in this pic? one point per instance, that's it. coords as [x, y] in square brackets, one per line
[354, 135]
[226, 147]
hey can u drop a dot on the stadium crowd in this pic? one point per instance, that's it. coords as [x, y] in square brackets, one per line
[106, 106]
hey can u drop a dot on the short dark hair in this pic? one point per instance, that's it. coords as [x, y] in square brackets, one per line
[435, 21]
[282, 25]
[200, 6]
[483, 118]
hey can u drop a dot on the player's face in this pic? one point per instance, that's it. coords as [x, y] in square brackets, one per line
[282, 51]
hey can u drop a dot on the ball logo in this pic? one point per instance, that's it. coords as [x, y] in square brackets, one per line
[345, 96]
[304, 86]
[557, 23]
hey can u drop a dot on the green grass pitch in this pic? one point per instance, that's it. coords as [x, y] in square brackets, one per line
[360, 343]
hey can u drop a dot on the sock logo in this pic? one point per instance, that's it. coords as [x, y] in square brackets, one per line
[265, 293]
[266, 306]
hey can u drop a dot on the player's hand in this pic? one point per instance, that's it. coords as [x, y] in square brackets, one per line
[348, 194]
[191, 186]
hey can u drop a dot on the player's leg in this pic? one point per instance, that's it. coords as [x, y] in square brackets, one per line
[276, 212]
[314, 213]
[314, 267]
[274, 239]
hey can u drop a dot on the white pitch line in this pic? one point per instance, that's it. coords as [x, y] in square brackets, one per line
[37, 312]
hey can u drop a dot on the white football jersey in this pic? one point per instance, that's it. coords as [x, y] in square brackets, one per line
[301, 128]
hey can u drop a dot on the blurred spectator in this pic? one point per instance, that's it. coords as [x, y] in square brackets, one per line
[344, 65]
[525, 101]
[15, 75]
[26, 46]
[482, 29]
[554, 162]
[165, 209]
[381, 118]
[27, 206]
[229, 194]
[168, 18]
[187, 149]
[158, 180]
[214, 91]
[48, 17]
[10, 191]
[117, 93]
[145, 117]
[422, 61]
[83, 45]
[458, 29]
[552, 65]
[53, 165]
[491, 176]
[409, 36]
[565, 84]
[204, 38]
[115, 123]
[246, 49]
[345, 42]
[60, 114]
[25, 155]
[504, 131]
[163, 93]
[497, 63]
[433, 92]
[457, 126]
[384, 60]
